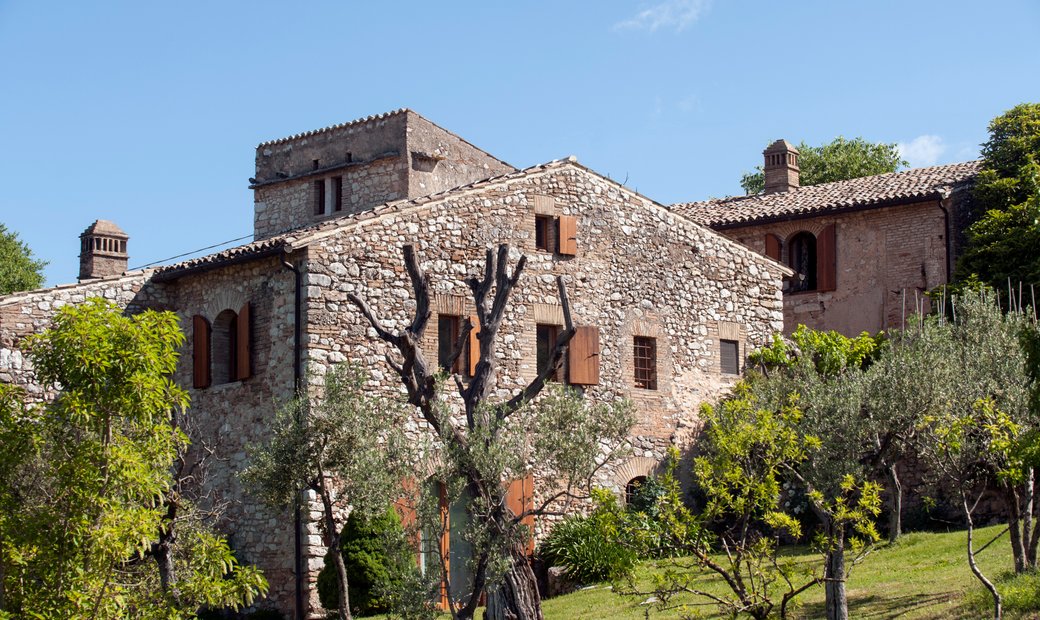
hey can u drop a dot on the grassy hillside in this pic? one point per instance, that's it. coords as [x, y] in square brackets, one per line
[925, 575]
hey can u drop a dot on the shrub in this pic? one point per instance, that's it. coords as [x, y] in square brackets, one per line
[589, 548]
[378, 559]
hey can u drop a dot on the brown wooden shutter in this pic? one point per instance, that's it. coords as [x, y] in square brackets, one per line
[200, 351]
[520, 498]
[583, 356]
[773, 247]
[405, 507]
[826, 260]
[474, 345]
[244, 344]
[568, 241]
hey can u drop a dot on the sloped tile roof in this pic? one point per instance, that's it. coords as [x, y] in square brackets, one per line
[879, 190]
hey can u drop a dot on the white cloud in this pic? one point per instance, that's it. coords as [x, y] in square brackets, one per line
[675, 14]
[922, 150]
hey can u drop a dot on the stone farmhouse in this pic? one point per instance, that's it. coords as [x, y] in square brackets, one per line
[864, 251]
[667, 308]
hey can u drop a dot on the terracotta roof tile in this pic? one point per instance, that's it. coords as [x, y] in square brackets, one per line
[882, 189]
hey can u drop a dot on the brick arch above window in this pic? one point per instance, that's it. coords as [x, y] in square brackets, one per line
[635, 467]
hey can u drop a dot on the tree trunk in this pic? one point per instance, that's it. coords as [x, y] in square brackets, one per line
[834, 590]
[516, 598]
[998, 610]
[1028, 544]
[1014, 506]
[332, 543]
[895, 516]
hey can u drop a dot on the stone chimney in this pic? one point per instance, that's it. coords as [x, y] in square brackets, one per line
[102, 251]
[781, 167]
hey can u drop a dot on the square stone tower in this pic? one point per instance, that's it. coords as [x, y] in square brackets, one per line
[344, 169]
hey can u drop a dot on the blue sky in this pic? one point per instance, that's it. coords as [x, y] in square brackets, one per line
[148, 113]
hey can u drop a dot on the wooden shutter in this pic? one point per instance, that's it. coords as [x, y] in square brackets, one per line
[200, 351]
[405, 507]
[568, 241]
[244, 344]
[474, 345]
[583, 356]
[826, 260]
[773, 247]
[519, 498]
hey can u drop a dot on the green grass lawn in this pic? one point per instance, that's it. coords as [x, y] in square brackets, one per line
[924, 575]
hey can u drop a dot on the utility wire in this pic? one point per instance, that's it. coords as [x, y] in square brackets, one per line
[208, 247]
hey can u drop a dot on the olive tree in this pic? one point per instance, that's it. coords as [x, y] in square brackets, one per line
[483, 442]
[345, 445]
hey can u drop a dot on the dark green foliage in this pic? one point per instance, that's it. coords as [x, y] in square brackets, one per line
[646, 496]
[1003, 242]
[590, 548]
[838, 160]
[378, 561]
[18, 270]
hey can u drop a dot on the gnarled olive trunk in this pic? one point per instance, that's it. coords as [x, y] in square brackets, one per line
[516, 598]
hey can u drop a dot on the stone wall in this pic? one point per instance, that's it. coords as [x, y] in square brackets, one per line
[282, 207]
[229, 417]
[886, 259]
[439, 160]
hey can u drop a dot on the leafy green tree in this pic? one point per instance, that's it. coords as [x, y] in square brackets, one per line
[827, 373]
[92, 522]
[838, 160]
[1001, 244]
[19, 271]
[348, 447]
[751, 451]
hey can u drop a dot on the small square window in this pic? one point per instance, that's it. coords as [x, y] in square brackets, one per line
[448, 327]
[729, 355]
[546, 335]
[543, 229]
[644, 356]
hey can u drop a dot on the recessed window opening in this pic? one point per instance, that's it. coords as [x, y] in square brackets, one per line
[543, 229]
[337, 193]
[319, 197]
[316, 163]
[801, 258]
[546, 343]
[225, 347]
[729, 354]
[632, 488]
[644, 356]
[448, 327]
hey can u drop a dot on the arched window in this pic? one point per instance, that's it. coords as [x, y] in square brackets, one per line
[632, 488]
[225, 347]
[801, 258]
